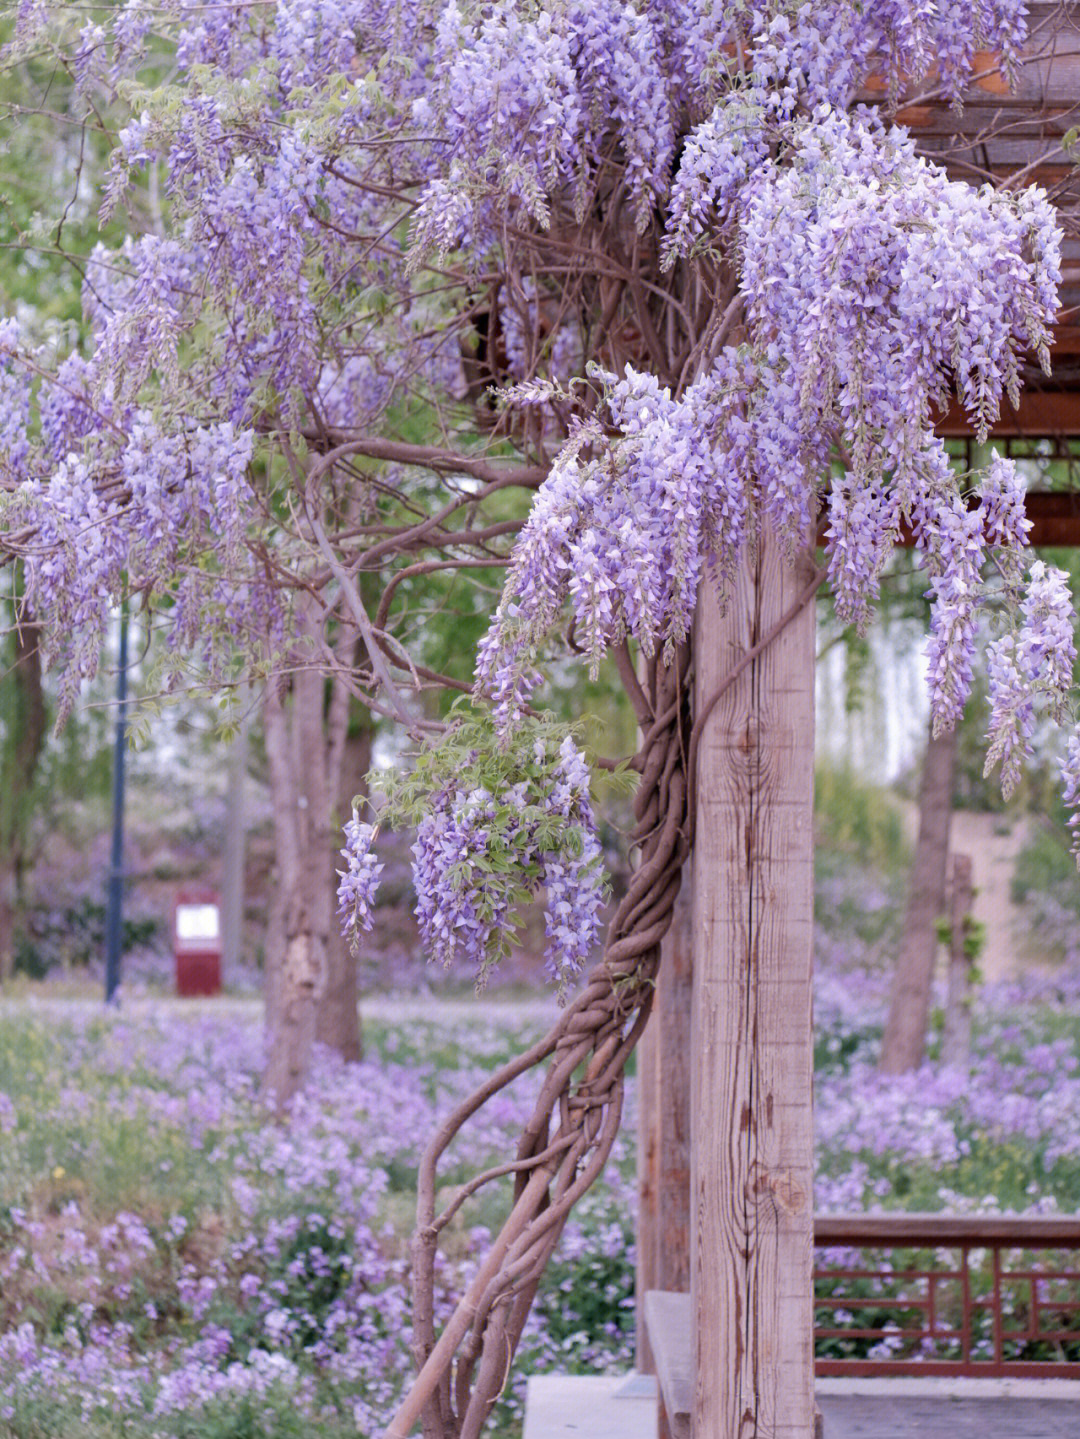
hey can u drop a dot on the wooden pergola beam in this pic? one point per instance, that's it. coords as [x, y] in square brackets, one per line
[1041, 414]
[1054, 516]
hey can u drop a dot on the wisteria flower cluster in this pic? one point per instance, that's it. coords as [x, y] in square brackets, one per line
[312, 156]
[126, 504]
[1035, 663]
[610, 71]
[495, 826]
[863, 313]
[871, 284]
[359, 880]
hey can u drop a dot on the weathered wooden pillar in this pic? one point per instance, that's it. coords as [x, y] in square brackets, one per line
[752, 1061]
[663, 1239]
[648, 1206]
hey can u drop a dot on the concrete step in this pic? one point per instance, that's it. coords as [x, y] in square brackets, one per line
[563, 1406]
[590, 1406]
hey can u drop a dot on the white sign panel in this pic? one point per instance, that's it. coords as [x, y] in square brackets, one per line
[197, 921]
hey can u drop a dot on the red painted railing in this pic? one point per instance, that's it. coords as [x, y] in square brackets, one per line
[975, 1295]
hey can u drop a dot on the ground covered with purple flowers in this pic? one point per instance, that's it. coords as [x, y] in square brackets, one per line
[176, 1264]
[173, 1263]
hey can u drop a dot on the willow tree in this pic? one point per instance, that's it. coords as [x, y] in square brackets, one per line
[627, 300]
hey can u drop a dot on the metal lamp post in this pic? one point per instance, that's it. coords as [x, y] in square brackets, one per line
[114, 917]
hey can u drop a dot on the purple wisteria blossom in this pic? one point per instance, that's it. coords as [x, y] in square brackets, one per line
[14, 406]
[479, 852]
[359, 880]
[1070, 777]
[1035, 663]
[861, 315]
[153, 503]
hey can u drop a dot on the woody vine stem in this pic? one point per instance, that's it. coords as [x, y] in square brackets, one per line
[566, 1143]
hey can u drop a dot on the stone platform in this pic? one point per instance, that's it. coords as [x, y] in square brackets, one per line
[624, 1407]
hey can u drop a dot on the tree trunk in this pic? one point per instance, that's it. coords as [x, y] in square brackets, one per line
[274, 941]
[7, 918]
[23, 739]
[956, 1042]
[290, 975]
[337, 1022]
[297, 755]
[903, 1046]
[233, 864]
[752, 1056]
[310, 979]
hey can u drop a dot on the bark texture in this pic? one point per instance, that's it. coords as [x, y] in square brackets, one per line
[300, 762]
[337, 1021]
[903, 1046]
[316, 766]
[233, 864]
[956, 1042]
[22, 737]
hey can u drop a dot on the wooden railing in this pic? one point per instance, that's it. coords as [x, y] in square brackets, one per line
[972, 1295]
[946, 1294]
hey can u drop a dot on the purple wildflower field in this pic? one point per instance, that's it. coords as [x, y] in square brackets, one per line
[172, 1263]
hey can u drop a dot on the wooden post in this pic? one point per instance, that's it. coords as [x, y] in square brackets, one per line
[956, 1042]
[648, 1217]
[752, 1060]
[674, 999]
[663, 1238]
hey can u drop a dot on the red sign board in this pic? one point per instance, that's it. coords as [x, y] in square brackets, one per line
[197, 940]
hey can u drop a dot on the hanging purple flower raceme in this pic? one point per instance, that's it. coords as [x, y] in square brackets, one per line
[71, 406]
[15, 387]
[506, 105]
[359, 880]
[863, 523]
[1001, 492]
[863, 311]
[952, 537]
[141, 502]
[492, 831]
[573, 881]
[1070, 776]
[719, 158]
[616, 53]
[1034, 663]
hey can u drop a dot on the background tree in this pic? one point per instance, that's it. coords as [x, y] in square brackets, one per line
[22, 738]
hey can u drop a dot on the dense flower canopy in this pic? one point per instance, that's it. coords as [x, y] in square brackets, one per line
[730, 297]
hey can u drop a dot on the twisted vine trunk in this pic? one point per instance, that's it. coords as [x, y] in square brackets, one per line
[567, 1140]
